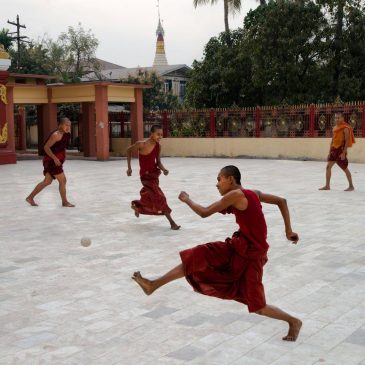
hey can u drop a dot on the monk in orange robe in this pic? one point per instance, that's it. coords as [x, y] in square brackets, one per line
[54, 152]
[232, 269]
[343, 138]
[153, 200]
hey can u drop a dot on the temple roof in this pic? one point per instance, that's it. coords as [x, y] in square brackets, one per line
[123, 73]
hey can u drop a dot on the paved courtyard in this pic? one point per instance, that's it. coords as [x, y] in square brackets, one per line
[61, 303]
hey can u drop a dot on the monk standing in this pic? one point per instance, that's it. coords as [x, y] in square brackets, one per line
[153, 200]
[342, 139]
[232, 269]
[54, 156]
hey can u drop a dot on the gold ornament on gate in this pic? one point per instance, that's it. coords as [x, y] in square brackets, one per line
[4, 134]
[353, 120]
[322, 122]
[3, 94]
[299, 124]
[249, 125]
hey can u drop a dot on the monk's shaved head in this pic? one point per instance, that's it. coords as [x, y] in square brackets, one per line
[231, 170]
[155, 127]
[63, 120]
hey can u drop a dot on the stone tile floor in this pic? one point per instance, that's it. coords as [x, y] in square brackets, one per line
[61, 303]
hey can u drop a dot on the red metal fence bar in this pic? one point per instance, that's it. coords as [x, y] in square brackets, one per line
[212, 124]
[257, 122]
[165, 125]
[311, 120]
[363, 120]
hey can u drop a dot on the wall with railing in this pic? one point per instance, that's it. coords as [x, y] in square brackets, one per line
[303, 121]
[301, 131]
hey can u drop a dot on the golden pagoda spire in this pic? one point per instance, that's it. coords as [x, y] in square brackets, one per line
[160, 55]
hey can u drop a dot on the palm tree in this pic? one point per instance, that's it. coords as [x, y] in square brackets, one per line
[230, 7]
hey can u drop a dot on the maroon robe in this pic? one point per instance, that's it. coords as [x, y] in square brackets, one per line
[233, 269]
[153, 200]
[59, 150]
[334, 156]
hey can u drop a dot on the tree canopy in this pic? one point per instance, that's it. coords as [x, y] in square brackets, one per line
[286, 52]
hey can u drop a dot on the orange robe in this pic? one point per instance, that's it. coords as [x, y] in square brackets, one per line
[338, 144]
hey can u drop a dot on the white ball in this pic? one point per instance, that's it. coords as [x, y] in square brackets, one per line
[85, 241]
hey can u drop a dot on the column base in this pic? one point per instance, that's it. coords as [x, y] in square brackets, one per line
[7, 157]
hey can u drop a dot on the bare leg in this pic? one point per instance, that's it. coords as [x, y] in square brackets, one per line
[328, 175]
[149, 286]
[47, 181]
[173, 225]
[295, 324]
[349, 179]
[62, 188]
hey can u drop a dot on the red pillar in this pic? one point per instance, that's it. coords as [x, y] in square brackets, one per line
[165, 124]
[88, 129]
[22, 129]
[311, 120]
[137, 116]
[7, 136]
[47, 120]
[212, 130]
[102, 122]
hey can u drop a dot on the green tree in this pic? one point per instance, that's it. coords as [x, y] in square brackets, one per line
[33, 59]
[351, 81]
[265, 62]
[72, 55]
[218, 80]
[230, 7]
[287, 44]
[5, 39]
[154, 98]
[345, 45]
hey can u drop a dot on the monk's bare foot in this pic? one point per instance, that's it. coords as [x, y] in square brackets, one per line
[68, 205]
[294, 329]
[145, 284]
[175, 227]
[350, 188]
[325, 188]
[31, 202]
[136, 212]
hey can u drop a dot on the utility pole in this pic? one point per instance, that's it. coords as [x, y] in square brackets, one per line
[18, 38]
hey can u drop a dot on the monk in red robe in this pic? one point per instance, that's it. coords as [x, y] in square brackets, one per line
[232, 269]
[54, 152]
[343, 138]
[153, 200]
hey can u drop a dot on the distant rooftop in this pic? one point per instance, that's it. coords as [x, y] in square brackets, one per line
[106, 65]
[123, 73]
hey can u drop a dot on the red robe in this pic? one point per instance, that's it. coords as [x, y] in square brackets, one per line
[59, 150]
[153, 200]
[233, 269]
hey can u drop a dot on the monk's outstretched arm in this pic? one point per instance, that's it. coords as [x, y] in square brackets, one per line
[284, 210]
[228, 200]
[133, 148]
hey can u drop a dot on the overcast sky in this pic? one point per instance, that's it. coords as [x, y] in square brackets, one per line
[126, 28]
